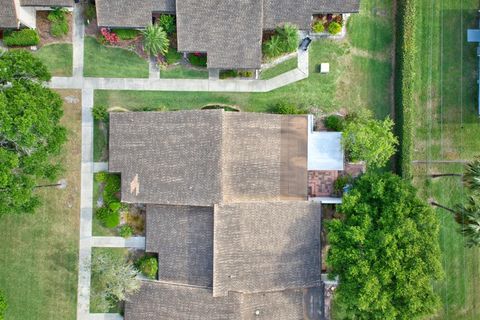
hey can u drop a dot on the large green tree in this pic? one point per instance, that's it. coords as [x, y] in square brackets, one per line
[384, 250]
[30, 133]
[367, 139]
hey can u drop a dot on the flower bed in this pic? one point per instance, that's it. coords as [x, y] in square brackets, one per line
[327, 23]
[44, 29]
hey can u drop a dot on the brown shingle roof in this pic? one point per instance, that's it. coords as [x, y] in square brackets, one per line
[266, 246]
[174, 156]
[183, 238]
[205, 157]
[8, 15]
[157, 300]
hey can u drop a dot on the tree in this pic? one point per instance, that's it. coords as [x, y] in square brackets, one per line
[3, 306]
[471, 176]
[115, 280]
[467, 215]
[385, 250]
[30, 133]
[155, 40]
[370, 140]
[273, 47]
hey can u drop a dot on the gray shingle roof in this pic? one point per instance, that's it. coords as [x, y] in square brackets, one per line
[266, 246]
[183, 238]
[47, 3]
[124, 13]
[174, 156]
[157, 300]
[8, 15]
[205, 157]
[230, 31]
[336, 6]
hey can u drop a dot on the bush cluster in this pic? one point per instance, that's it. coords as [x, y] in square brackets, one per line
[334, 123]
[59, 24]
[126, 34]
[334, 28]
[148, 266]
[285, 40]
[198, 59]
[21, 38]
[405, 83]
[288, 108]
[100, 112]
[109, 213]
[318, 27]
[167, 22]
[126, 231]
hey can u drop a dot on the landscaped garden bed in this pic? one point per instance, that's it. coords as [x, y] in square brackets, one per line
[111, 217]
[278, 42]
[327, 23]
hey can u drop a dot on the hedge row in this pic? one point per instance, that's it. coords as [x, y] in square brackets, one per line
[21, 38]
[405, 84]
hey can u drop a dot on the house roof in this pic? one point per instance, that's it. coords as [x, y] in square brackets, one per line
[266, 246]
[158, 300]
[183, 238]
[8, 14]
[203, 157]
[47, 3]
[230, 31]
[336, 6]
[124, 13]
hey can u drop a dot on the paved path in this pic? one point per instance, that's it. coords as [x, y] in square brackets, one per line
[119, 242]
[100, 166]
[86, 195]
[105, 316]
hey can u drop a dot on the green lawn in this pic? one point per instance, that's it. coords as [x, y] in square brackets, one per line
[100, 142]
[447, 128]
[39, 252]
[58, 58]
[102, 61]
[181, 72]
[280, 68]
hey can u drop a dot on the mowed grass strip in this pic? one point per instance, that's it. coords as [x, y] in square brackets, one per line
[280, 68]
[39, 252]
[447, 128]
[181, 72]
[109, 62]
[58, 58]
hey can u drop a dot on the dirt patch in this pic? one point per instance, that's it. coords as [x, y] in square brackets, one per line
[43, 28]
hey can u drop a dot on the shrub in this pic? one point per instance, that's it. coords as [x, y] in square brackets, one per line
[155, 40]
[101, 176]
[21, 38]
[148, 266]
[335, 28]
[126, 34]
[405, 84]
[289, 37]
[167, 22]
[90, 12]
[57, 15]
[3, 306]
[172, 56]
[245, 74]
[59, 29]
[225, 74]
[288, 108]
[318, 27]
[340, 183]
[198, 59]
[273, 47]
[112, 187]
[108, 36]
[111, 219]
[126, 231]
[334, 123]
[100, 112]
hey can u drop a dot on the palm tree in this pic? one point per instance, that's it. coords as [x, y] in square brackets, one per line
[467, 215]
[471, 176]
[273, 47]
[155, 40]
[289, 35]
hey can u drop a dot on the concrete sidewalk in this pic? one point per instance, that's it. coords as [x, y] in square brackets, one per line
[119, 242]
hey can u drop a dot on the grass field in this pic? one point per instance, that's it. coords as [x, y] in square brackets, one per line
[181, 72]
[39, 252]
[447, 128]
[100, 143]
[58, 58]
[102, 61]
[280, 68]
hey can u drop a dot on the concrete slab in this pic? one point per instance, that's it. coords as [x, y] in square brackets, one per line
[119, 242]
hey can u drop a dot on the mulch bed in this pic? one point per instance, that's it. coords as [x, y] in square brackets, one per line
[43, 28]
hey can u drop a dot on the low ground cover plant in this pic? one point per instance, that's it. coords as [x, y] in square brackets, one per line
[59, 23]
[126, 231]
[126, 34]
[21, 38]
[109, 213]
[287, 108]
[167, 22]
[334, 123]
[198, 59]
[100, 112]
[108, 36]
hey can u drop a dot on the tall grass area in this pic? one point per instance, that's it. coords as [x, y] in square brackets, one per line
[446, 127]
[39, 252]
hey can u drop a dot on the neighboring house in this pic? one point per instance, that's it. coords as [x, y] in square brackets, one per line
[22, 13]
[227, 213]
[229, 31]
